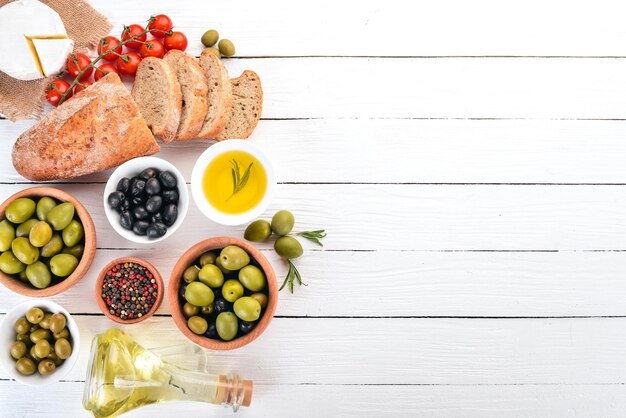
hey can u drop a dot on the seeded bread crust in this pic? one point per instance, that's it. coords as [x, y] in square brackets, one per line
[219, 96]
[97, 129]
[157, 93]
[247, 106]
[194, 91]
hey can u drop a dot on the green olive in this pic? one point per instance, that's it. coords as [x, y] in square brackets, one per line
[25, 338]
[191, 274]
[199, 294]
[33, 328]
[63, 265]
[219, 265]
[234, 258]
[63, 334]
[73, 233]
[23, 229]
[211, 276]
[63, 348]
[210, 38]
[35, 315]
[42, 348]
[18, 350]
[288, 247]
[57, 322]
[57, 360]
[252, 278]
[214, 51]
[207, 258]
[77, 250]
[38, 275]
[7, 235]
[40, 234]
[33, 354]
[24, 250]
[197, 325]
[261, 298]
[9, 264]
[227, 48]
[46, 367]
[45, 322]
[60, 216]
[40, 334]
[20, 210]
[258, 231]
[207, 310]
[247, 309]
[226, 325]
[22, 276]
[44, 206]
[282, 222]
[25, 366]
[53, 247]
[190, 310]
[232, 290]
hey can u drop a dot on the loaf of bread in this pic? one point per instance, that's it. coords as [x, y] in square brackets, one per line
[247, 106]
[97, 129]
[219, 97]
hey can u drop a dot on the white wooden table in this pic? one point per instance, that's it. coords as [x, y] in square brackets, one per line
[467, 161]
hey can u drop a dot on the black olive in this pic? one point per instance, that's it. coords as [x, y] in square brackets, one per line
[140, 227]
[167, 179]
[157, 217]
[138, 201]
[126, 220]
[156, 230]
[211, 331]
[115, 199]
[125, 205]
[123, 185]
[139, 212]
[137, 187]
[170, 214]
[170, 196]
[245, 326]
[154, 203]
[149, 173]
[220, 304]
[153, 187]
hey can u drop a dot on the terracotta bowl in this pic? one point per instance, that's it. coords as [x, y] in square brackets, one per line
[102, 304]
[175, 281]
[90, 244]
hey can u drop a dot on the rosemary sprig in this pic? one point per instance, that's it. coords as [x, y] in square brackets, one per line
[239, 181]
[292, 275]
[314, 236]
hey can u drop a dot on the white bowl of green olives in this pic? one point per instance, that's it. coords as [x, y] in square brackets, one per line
[146, 200]
[38, 327]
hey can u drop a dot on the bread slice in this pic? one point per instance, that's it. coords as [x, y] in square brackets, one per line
[219, 97]
[97, 129]
[247, 106]
[157, 93]
[194, 91]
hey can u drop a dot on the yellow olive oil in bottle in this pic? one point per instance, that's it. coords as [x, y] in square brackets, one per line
[122, 375]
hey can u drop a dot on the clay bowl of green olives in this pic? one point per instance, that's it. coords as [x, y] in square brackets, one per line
[222, 293]
[39, 342]
[47, 241]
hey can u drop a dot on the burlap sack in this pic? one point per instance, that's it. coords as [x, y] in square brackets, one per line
[85, 25]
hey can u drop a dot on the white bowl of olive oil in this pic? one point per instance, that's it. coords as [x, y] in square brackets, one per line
[232, 182]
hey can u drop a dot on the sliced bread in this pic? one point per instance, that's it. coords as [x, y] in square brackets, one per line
[194, 90]
[97, 129]
[157, 93]
[219, 96]
[247, 106]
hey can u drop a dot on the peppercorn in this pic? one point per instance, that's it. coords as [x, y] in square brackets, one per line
[129, 290]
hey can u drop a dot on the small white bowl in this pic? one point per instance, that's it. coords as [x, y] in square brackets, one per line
[7, 337]
[133, 168]
[198, 172]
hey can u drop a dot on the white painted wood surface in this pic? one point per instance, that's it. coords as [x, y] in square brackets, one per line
[467, 161]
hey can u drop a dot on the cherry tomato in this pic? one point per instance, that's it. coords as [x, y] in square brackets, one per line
[82, 86]
[160, 23]
[103, 70]
[133, 30]
[152, 48]
[109, 43]
[78, 62]
[55, 90]
[177, 40]
[128, 63]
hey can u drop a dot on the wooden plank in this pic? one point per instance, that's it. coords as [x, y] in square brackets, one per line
[397, 28]
[431, 151]
[352, 401]
[407, 351]
[397, 283]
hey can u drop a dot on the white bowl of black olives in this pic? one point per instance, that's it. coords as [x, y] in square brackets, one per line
[146, 200]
